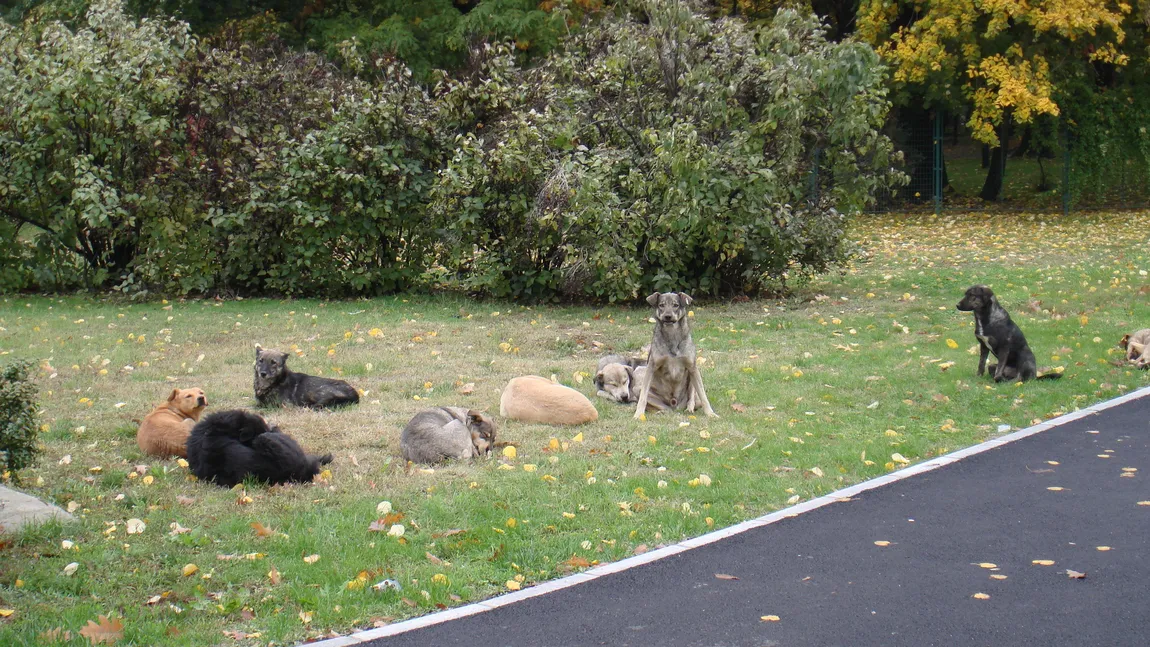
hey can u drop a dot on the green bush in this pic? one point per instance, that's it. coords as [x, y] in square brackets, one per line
[18, 411]
[298, 178]
[88, 133]
[662, 150]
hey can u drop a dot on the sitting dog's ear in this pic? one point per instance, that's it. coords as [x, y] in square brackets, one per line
[176, 392]
[685, 299]
[653, 299]
[1125, 343]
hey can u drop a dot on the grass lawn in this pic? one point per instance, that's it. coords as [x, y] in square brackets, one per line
[856, 373]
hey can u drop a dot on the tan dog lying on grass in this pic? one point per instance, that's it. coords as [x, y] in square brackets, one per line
[1136, 347]
[537, 399]
[164, 431]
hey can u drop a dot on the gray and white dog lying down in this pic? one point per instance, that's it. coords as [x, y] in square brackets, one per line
[617, 378]
[442, 433]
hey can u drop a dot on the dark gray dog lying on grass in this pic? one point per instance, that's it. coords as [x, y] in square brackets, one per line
[672, 380]
[997, 334]
[275, 384]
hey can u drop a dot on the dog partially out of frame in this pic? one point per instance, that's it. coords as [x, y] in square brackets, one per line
[164, 431]
[617, 378]
[275, 384]
[442, 433]
[1137, 347]
[228, 447]
[672, 379]
[997, 334]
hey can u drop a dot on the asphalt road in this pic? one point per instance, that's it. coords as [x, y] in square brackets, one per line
[830, 584]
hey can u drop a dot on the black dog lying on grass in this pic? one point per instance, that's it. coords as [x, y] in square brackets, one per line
[229, 446]
[275, 383]
[997, 334]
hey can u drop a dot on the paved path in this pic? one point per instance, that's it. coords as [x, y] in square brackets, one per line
[829, 583]
[18, 509]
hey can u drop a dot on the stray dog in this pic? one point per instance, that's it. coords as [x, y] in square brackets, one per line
[439, 434]
[164, 431]
[997, 334]
[672, 379]
[1136, 347]
[532, 398]
[617, 378]
[275, 384]
[230, 446]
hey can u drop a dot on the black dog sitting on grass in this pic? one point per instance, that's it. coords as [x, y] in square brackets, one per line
[997, 334]
[228, 447]
[275, 384]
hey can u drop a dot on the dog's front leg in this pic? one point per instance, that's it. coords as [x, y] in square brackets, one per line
[697, 390]
[983, 353]
[644, 391]
[1000, 373]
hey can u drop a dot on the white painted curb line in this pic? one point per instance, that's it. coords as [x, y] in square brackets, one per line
[712, 537]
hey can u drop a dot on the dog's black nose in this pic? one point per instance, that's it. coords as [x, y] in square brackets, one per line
[202, 401]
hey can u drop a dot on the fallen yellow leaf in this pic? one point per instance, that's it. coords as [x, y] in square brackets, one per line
[1103, 548]
[513, 585]
[998, 576]
[190, 569]
[510, 452]
[311, 559]
[988, 565]
[980, 596]
[770, 618]
[882, 543]
[1043, 562]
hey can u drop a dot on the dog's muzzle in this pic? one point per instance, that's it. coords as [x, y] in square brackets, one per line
[202, 401]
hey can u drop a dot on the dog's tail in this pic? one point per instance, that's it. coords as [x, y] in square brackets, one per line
[325, 459]
[1052, 374]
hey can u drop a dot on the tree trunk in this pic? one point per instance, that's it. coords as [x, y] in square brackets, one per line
[992, 188]
[985, 155]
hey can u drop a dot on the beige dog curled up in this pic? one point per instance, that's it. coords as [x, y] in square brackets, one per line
[537, 399]
[164, 431]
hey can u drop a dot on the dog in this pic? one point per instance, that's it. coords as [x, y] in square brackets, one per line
[997, 334]
[229, 447]
[443, 433]
[1136, 347]
[164, 431]
[672, 379]
[532, 398]
[617, 378]
[275, 384]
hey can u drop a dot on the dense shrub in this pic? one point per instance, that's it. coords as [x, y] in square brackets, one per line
[87, 132]
[312, 182]
[18, 413]
[663, 150]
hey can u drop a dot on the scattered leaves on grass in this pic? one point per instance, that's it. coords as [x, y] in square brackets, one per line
[274, 576]
[189, 570]
[512, 585]
[305, 617]
[739, 406]
[136, 526]
[4, 613]
[185, 500]
[55, 635]
[107, 632]
[71, 569]
[311, 559]
[467, 389]
[262, 530]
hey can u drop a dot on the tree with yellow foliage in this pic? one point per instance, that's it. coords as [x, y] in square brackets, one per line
[1000, 61]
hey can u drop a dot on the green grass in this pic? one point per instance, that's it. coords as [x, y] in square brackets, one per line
[828, 385]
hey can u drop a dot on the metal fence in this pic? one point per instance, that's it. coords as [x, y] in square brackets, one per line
[1040, 170]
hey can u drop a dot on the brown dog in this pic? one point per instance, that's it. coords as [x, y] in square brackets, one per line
[1136, 347]
[165, 430]
[532, 398]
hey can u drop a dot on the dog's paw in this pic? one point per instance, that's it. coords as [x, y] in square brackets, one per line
[640, 416]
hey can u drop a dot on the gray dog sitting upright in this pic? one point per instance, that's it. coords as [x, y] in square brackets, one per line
[275, 384]
[672, 379]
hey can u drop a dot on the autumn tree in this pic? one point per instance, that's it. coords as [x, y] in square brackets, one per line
[1002, 62]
